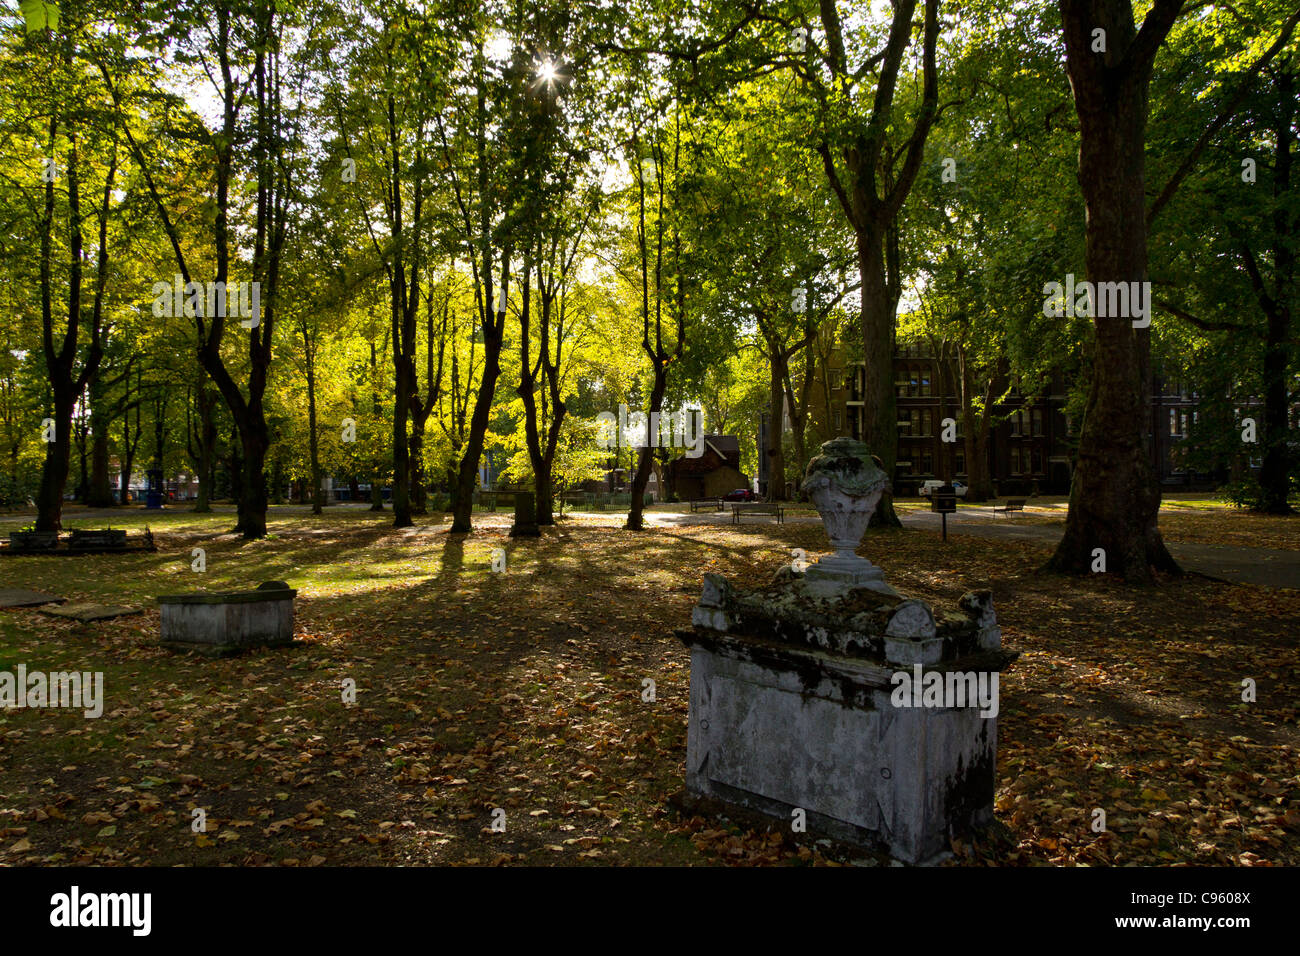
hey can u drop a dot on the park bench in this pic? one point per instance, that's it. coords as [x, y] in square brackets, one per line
[706, 504]
[757, 508]
[1013, 504]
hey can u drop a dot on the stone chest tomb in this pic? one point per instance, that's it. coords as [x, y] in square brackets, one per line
[799, 695]
[231, 621]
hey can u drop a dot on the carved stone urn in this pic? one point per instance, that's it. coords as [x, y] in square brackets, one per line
[845, 486]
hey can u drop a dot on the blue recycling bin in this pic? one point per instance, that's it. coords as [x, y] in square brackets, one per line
[153, 500]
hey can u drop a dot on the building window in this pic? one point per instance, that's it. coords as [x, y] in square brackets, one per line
[914, 422]
[1038, 461]
[1015, 460]
[837, 421]
[1017, 423]
[927, 463]
[959, 461]
[1036, 418]
[925, 382]
[1173, 422]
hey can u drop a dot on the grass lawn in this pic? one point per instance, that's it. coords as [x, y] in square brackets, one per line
[523, 691]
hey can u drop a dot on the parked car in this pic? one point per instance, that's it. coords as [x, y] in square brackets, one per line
[740, 494]
[959, 487]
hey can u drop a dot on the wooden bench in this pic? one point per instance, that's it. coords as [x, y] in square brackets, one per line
[1013, 504]
[757, 508]
[706, 504]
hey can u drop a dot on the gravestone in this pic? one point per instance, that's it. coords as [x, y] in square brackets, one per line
[105, 539]
[33, 540]
[22, 597]
[795, 700]
[89, 613]
[525, 516]
[228, 622]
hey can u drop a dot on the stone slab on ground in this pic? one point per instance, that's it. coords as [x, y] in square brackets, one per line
[86, 613]
[22, 597]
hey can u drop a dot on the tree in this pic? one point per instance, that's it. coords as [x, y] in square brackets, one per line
[1115, 494]
[1245, 246]
[238, 45]
[873, 186]
[77, 158]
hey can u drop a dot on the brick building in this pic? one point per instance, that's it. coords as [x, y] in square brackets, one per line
[1031, 443]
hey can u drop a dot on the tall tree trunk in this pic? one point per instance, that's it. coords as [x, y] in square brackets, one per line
[206, 401]
[130, 443]
[880, 412]
[60, 358]
[254, 441]
[401, 448]
[975, 429]
[871, 204]
[1115, 494]
[419, 494]
[313, 432]
[99, 493]
[641, 479]
[82, 431]
[478, 425]
[54, 473]
[421, 410]
[775, 450]
[235, 467]
[1276, 468]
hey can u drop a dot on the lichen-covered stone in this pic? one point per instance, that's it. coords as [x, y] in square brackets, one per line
[791, 703]
[845, 463]
[859, 622]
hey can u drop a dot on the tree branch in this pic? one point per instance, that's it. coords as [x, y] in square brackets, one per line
[1247, 84]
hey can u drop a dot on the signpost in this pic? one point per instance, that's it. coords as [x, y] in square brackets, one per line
[943, 501]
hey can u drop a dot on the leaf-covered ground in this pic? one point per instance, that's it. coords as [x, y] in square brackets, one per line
[523, 691]
[1193, 520]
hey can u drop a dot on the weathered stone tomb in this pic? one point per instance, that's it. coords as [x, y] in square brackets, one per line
[231, 621]
[828, 692]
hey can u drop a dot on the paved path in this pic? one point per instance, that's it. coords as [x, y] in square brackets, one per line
[1266, 566]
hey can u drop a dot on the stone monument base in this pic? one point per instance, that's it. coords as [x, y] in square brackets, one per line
[795, 706]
